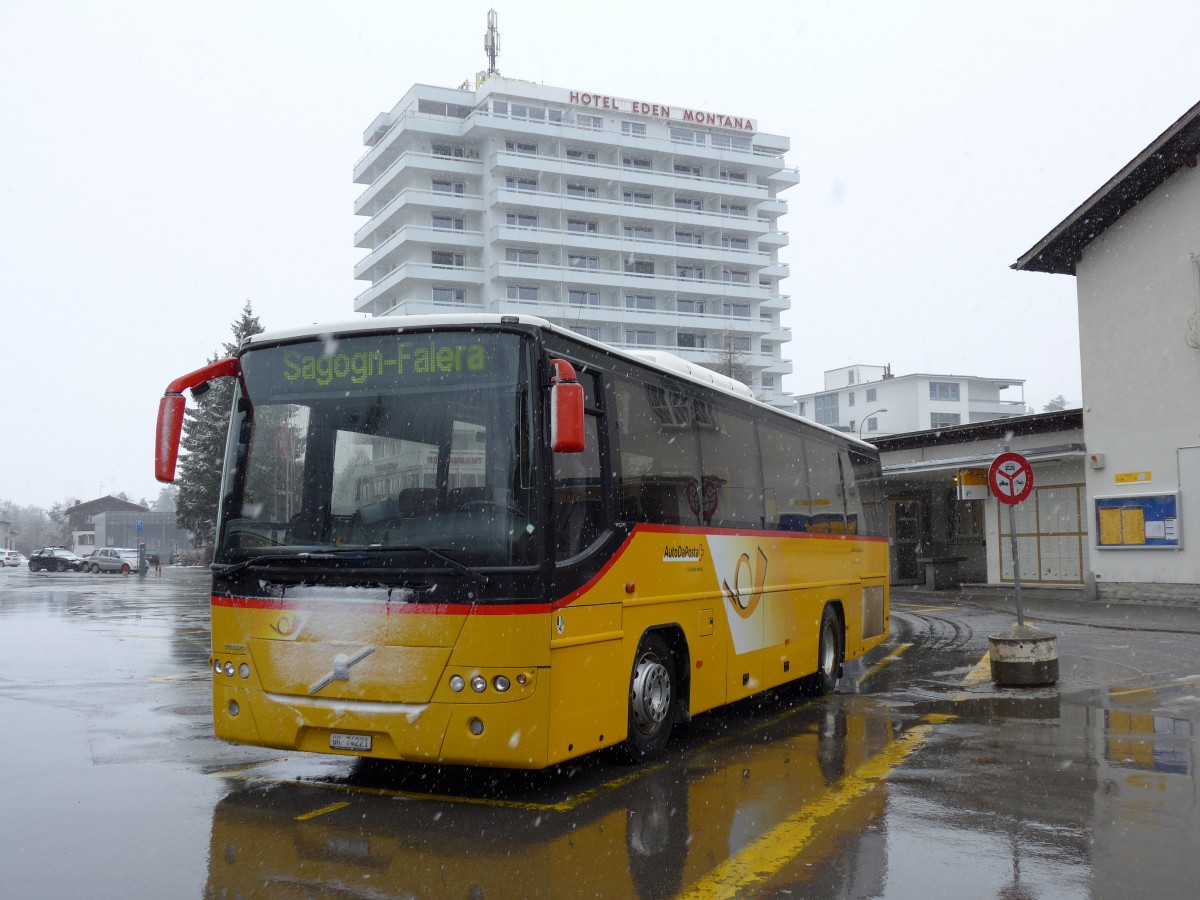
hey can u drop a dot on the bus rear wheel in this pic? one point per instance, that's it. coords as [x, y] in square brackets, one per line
[653, 697]
[829, 652]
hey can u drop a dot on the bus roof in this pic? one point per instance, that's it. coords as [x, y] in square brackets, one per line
[657, 359]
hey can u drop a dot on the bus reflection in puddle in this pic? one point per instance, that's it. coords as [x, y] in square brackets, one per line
[648, 832]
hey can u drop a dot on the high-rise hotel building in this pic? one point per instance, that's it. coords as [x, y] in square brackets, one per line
[642, 224]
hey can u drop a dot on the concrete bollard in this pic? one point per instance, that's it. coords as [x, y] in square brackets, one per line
[1024, 656]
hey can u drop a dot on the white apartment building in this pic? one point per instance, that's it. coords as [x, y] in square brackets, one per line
[645, 225]
[869, 400]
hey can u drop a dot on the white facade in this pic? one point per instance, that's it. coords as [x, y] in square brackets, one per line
[869, 400]
[1133, 248]
[646, 226]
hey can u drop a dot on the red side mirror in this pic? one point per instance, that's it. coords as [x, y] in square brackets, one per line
[170, 414]
[566, 409]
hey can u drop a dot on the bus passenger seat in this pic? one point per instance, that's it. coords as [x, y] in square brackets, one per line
[418, 501]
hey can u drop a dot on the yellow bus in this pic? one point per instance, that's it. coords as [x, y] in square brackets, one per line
[487, 540]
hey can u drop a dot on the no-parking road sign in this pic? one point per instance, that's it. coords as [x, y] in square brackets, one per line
[1010, 478]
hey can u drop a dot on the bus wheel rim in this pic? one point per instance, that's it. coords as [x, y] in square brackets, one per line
[828, 649]
[651, 694]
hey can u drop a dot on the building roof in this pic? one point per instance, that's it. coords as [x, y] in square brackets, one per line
[103, 504]
[1038, 423]
[1059, 251]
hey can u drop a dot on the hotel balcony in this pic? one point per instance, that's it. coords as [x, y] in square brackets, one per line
[391, 183]
[413, 278]
[420, 199]
[417, 235]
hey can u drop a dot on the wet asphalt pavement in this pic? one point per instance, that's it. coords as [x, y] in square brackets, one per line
[917, 778]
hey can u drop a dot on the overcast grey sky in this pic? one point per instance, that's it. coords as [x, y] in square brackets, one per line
[163, 162]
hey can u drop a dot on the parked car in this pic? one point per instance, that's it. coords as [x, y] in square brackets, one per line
[55, 559]
[12, 558]
[109, 559]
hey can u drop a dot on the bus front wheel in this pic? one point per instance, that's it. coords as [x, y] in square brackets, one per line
[829, 652]
[653, 696]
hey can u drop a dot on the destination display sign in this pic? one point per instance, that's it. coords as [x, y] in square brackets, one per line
[373, 363]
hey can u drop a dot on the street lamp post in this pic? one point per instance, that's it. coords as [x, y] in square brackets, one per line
[867, 416]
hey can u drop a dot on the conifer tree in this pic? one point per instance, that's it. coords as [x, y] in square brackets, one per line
[205, 428]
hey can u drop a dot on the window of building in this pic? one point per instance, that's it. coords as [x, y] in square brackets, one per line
[521, 255]
[692, 273]
[688, 306]
[583, 298]
[582, 226]
[733, 175]
[513, 183]
[734, 209]
[500, 107]
[687, 136]
[873, 423]
[738, 343]
[448, 223]
[449, 150]
[690, 341]
[522, 292]
[735, 243]
[555, 115]
[739, 310]
[735, 276]
[456, 296]
[826, 408]
[578, 155]
[688, 169]
[944, 420]
[637, 198]
[943, 390]
[870, 395]
[525, 111]
[730, 142]
[688, 237]
[635, 162]
[448, 187]
[583, 191]
[521, 220]
[852, 376]
[800, 407]
[850, 399]
[639, 266]
[639, 336]
[579, 261]
[639, 301]
[639, 232]
[691, 204]
[583, 120]
[522, 147]
[588, 331]
[637, 129]
[447, 258]
[768, 382]
[435, 108]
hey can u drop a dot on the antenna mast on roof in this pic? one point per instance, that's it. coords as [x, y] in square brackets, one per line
[491, 43]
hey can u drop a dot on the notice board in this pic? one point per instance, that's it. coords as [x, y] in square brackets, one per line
[1140, 522]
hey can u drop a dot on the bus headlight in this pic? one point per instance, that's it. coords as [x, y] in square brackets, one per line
[216, 667]
[457, 683]
[501, 683]
[244, 670]
[478, 684]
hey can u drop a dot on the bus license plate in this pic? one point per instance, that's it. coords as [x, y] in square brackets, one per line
[350, 741]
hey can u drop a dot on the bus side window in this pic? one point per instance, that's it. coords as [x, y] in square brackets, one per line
[732, 479]
[828, 511]
[785, 478]
[658, 454]
[578, 500]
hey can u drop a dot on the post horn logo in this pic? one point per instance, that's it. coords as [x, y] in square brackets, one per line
[745, 604]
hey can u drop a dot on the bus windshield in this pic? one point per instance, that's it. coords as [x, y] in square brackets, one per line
[386, 443]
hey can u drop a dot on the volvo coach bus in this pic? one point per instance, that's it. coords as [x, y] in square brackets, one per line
[486, 540]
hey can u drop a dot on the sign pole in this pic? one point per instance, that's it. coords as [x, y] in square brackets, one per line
[1022, 655]
[1016, 556]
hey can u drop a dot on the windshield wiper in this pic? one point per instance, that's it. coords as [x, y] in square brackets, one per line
[334, 552]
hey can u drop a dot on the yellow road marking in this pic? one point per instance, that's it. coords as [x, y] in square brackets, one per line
[767, 855]
[332, 807]
[883, 663]
[1187, 679]
[981, 672]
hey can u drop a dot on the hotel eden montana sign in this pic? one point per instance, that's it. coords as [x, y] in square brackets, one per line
[660, 111]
